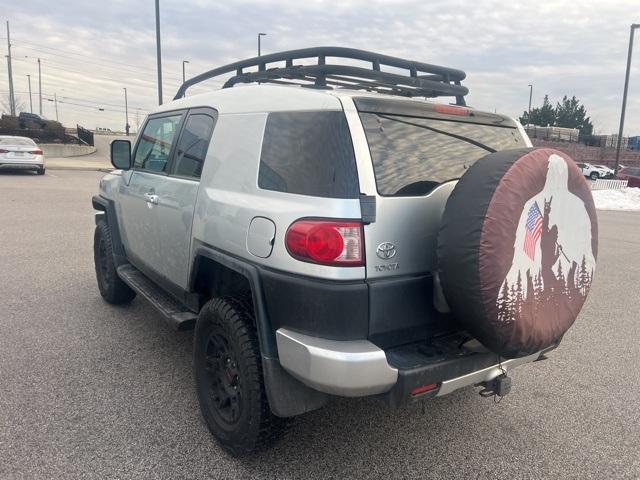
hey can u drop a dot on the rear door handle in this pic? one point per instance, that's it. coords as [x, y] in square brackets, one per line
[151, 198]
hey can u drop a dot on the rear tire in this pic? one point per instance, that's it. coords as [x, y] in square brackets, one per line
[229, 381]
[111, 286]
[594, 176]
[41, 171]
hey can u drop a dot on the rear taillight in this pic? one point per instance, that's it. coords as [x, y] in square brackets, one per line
[327, 242]
[36, 152]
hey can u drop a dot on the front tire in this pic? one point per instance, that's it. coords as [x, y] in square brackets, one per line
[229, 381]
[41, 171]
[111, 286]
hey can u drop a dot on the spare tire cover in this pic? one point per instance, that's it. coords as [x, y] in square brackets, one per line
[517, 249]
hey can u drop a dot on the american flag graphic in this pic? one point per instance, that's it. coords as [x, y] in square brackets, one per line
[533, 230]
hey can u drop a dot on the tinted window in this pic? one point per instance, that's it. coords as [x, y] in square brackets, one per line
[155, 143]
[412, 155]
[193, 145]
[16, 141]
[309, 153]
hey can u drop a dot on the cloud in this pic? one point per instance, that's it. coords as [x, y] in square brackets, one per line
[561, 47]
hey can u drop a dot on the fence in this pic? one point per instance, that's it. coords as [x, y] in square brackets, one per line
[85, 136]
[568, 135]
[609, 184]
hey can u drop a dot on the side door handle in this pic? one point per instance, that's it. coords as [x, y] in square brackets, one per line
[151, 198]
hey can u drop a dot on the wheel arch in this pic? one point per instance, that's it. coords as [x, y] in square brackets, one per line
[287, 396]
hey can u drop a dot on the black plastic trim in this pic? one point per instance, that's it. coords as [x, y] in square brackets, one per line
[336, 310]
[107, 206]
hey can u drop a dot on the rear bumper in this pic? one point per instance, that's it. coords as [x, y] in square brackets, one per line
[22, 164]
[358, 368]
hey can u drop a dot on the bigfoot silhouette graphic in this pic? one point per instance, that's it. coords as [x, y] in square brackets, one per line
[557, 277]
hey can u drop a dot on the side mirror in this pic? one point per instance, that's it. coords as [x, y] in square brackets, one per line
[121, 154]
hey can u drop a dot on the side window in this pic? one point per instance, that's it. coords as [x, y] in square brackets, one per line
[193, 145]
[154, 146]
[308, 153]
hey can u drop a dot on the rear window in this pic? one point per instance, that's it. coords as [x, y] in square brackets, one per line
[412, 155]
[308, 153]
[16, 141]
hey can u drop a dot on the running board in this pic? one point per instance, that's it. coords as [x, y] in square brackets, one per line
[174, 312]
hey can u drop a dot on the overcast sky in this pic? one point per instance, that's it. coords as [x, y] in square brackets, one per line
[90, 50]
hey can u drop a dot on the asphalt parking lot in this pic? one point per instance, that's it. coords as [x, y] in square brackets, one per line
[89, 390]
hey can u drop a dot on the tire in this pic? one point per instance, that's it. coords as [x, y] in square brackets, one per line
[594, 175]
[41, 171]
[111, 287]
[229, 381]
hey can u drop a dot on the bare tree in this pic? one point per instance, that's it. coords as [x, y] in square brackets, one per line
[5, 104]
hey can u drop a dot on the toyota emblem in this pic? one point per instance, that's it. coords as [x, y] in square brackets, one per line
[386, 250]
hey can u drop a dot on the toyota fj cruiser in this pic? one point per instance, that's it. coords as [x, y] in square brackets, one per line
[302, 226]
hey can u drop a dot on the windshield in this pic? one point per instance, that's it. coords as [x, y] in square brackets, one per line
[16, 141]
[412, 155]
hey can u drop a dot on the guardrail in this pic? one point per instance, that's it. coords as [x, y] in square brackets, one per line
[601, 184]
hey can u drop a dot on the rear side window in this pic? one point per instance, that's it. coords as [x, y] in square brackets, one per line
[412, 155]
[193, 145]
[308, 153]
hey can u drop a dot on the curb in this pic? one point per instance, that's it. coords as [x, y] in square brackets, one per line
[86, 169]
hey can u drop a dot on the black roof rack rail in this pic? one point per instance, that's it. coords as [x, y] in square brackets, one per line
[423, 79]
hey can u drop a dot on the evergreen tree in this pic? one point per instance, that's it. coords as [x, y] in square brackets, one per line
[570, 114]
[504, 303]
[562, 285]
[584, 280]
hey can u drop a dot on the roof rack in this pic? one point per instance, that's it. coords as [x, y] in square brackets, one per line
[423, 79]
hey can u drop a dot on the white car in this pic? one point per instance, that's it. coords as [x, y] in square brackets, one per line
[594, 172]
[21, 153]
[609, 173]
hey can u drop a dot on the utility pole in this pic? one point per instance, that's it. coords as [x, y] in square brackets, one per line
[55, 100]
[40, 86]
[12, 98]
[126, 112]
[624, 96]
[30, 99]
[184, 78]
[260, 35]
[530, 95]
[159, 52]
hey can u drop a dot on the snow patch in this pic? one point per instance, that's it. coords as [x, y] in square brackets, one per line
[624, 199]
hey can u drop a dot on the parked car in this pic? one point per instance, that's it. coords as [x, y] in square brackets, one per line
[27, 120]
[631, 174]
[608, 171]
[594, 172]
[320, 243]
[21, 153]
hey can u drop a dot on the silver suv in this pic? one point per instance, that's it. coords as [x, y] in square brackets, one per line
[294, 224]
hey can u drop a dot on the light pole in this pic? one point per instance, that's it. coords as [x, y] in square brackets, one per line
[158, 52]
[126, 112]
[530, 95]
[30, 99]
[624, 96]
[40, 87]
[260, 35]
[12, 97]
[184, 77]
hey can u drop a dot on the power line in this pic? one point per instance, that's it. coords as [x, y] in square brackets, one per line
[68, 52]
[129, 69]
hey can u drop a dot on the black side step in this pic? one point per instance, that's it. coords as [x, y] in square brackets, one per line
[171, 309]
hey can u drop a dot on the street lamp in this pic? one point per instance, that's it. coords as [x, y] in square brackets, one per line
[30, 99]
[126, 112]
[260, 35]
[530, 95]
[184, 78]
[624, 96]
